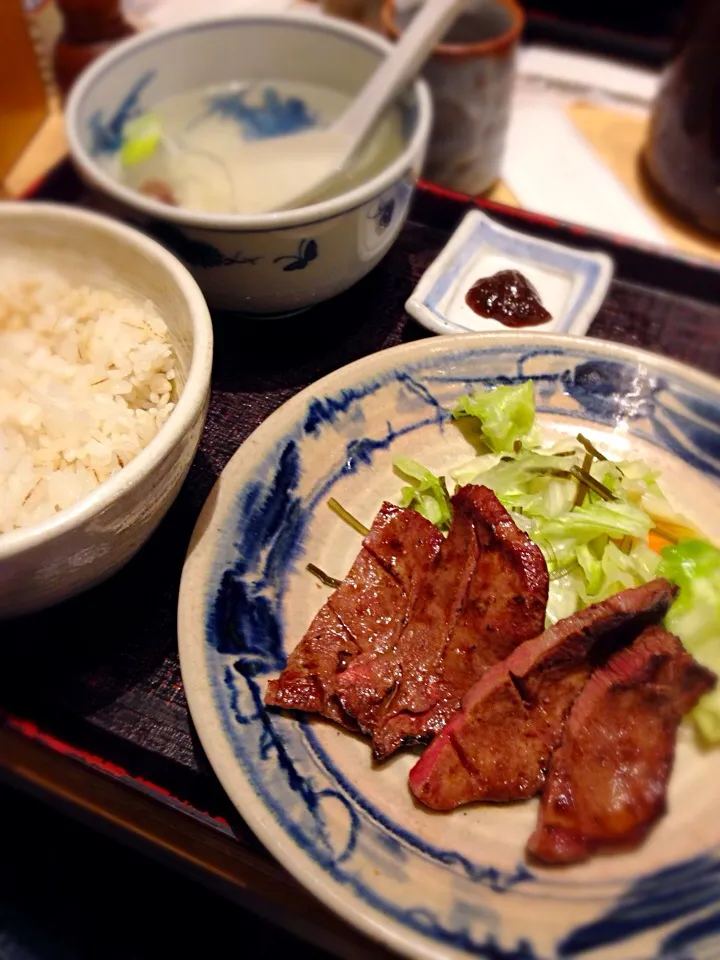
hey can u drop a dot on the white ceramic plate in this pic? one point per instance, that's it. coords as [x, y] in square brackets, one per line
[429, 885]
[571, 283]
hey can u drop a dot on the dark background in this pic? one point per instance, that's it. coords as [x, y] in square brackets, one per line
[68, 893]
[657, 19]
[637, 32]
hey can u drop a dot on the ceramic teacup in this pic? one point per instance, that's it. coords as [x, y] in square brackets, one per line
[471, 75]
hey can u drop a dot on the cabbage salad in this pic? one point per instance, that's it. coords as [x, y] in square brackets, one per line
[603, 526]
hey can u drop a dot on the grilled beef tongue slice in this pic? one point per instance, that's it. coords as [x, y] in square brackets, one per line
[498, 746]
[485, 594]
[366, 610]
[607, 781]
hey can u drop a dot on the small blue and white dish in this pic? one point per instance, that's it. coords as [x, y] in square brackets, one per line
[435, 886]
[571, 284]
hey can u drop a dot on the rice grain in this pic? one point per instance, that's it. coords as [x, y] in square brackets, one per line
[87, 378]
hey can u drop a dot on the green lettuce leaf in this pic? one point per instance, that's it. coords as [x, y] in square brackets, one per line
[706, 715]
[695, 617]
[564, 597]
[695, 567]
[614, 519]
[474, 471]
[426, 493]
[595, 541]
[506, 415]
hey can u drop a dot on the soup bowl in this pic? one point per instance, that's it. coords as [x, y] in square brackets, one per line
[268, 264]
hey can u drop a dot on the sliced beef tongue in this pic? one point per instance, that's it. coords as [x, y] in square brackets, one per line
[607, 781]
[498, 746]
[366, 611]
[485, 594]
[376, 681]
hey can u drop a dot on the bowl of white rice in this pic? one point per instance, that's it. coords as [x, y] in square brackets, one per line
[105, 363]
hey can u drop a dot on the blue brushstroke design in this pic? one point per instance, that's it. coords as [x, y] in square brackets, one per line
[612, 390]
[678, 446]
[275, 116]
[106, 136]
[703, 436]
[319, 845]
[383, 213]
[196, 253]
[328, 410]
[307, 251]
[650, 903]
[694, 940]
[498, 881]
[245, 627]
[360, 452]
[246, 616]
[422, 392]
[701, 408]
[273, 747]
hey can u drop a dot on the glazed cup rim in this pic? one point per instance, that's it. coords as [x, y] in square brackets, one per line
[455, 51]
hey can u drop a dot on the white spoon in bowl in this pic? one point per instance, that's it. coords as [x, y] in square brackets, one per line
[294, 168]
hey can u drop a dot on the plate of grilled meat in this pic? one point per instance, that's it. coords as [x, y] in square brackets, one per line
[449, 629]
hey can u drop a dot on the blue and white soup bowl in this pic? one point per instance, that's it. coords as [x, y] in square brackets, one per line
[262, 264]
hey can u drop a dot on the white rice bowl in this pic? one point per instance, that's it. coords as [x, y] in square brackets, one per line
[93, 466]
[87, 378]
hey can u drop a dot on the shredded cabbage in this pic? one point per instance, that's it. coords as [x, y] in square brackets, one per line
[594, 545]
[585, 523]
[427, 493]
[695, 617]
[695, 567]
[594, 534]
[506, 414]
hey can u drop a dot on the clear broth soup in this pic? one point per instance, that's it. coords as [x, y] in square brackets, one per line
[191, 149]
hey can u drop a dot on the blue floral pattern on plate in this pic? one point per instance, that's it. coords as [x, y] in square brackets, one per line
[373, 856]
